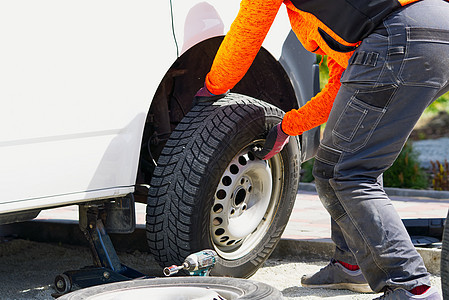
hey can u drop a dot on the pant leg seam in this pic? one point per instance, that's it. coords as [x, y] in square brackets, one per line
[325, 161]
[331, 181]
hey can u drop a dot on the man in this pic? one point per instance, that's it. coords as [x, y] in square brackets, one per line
[388, 60]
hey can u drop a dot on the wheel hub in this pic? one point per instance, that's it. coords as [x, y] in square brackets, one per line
[242, 204]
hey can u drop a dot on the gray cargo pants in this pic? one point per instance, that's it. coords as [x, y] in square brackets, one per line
[392, 77]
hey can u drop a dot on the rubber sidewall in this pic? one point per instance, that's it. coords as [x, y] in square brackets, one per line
[243, 288]
[181, 199]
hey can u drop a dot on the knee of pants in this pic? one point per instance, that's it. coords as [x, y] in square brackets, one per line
[322, 170]
[325, 162]
[323, 174]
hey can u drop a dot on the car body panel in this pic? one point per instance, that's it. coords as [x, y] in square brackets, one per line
[77, 79]
[76, 83]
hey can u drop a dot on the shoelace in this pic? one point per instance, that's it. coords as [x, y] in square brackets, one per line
[329, 265]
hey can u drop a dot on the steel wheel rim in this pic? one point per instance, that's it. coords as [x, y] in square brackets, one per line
[244, 203]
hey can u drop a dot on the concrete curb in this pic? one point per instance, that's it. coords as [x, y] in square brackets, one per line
[324, 249]
[438, 195]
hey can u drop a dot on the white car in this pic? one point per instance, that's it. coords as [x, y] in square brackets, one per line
[97, 105]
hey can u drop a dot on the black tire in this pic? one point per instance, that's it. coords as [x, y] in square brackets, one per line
[445, 261]
[206, 171]
[226, 288]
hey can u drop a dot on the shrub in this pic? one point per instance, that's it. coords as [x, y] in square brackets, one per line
[440, 175]
[306, 171]
[406, 171]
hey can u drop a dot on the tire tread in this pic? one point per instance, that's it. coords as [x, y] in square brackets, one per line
[183, 162]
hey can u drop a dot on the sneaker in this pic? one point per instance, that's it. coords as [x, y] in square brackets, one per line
[335, 276]
[402, 294]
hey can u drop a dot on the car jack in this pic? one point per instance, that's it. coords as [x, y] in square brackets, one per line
[107, 267]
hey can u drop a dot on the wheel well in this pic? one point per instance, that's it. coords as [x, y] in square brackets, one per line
[265, 80]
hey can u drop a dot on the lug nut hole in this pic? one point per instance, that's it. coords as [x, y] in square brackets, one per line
[240, 197]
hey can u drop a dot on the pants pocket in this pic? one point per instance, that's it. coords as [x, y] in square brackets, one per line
[356, 124]
[425, 55]
[367, 62]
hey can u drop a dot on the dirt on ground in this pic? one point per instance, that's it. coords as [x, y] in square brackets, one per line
[27, 271]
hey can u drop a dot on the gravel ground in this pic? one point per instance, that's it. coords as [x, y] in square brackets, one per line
[27, 270]
[431, 150]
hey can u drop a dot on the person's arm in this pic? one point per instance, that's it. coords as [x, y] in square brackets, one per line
[295, 122]
[317, 110]
[241, 44]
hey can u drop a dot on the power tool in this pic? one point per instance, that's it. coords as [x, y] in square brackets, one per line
[198, 264]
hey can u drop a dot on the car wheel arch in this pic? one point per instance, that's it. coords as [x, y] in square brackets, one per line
[265, 80]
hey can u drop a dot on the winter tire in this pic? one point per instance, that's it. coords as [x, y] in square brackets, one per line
[211, 288]
[209, 191]
[445, 261]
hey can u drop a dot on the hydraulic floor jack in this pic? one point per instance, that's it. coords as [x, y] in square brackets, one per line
[119, 217]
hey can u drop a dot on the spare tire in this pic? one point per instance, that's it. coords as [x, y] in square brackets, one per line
[445, 260]
[209, 191]
[174, 288]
